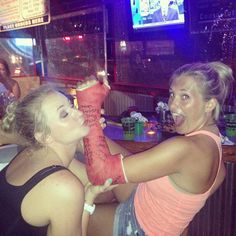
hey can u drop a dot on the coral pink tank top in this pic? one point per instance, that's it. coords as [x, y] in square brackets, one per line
[164, 210]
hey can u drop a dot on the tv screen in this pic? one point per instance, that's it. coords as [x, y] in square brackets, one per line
[157, 14]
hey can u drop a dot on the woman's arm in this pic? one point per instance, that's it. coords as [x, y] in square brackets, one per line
[121, 192]
[16, 89]
[59, 202]
[166, 158]
[91, 192]
[79, 169]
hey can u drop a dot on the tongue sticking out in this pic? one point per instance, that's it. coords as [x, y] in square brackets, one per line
[178, 120]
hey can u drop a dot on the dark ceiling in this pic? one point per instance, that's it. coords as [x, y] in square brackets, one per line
[58, 7]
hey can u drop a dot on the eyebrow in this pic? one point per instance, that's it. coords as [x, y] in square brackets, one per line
[185, 90]
[188, 91]
[60, 107]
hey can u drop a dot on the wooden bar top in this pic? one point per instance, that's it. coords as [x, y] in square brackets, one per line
[145, 141]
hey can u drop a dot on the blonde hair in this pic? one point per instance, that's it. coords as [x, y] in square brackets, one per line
[215, 80]
[26, 117]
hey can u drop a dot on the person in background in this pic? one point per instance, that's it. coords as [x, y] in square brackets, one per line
[7, 84]
[41, 193]
[176, 177]
[167, 11]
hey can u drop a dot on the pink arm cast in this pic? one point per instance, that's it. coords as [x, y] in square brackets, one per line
[100, 163]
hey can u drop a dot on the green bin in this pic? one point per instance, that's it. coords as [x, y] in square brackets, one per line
[230, 125]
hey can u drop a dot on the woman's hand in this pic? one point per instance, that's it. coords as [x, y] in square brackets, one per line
[102, 120]
[92, 191]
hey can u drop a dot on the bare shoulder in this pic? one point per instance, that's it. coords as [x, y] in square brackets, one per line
[179, 145]
[63, 182]
[58, 187]
[198, 165]
[59, 198]
[178, 140]
[190, 149]
[194, 144]
[65, 204]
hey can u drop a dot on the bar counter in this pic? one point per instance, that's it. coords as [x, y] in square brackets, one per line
[145, 141]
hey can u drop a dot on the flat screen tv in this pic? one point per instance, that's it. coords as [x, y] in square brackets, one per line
[157, 14]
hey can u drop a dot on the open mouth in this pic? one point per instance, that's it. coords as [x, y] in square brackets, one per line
[178, 119]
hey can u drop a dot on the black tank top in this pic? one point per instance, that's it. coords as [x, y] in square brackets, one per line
[11, 221]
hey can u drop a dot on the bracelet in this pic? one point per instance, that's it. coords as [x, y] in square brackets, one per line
[90, 209]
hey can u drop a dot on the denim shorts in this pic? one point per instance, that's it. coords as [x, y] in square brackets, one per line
[125, 222]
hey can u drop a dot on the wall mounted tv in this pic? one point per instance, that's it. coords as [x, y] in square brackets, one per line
[157, 14]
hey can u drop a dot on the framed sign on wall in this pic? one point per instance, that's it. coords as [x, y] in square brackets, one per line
[18, 14]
